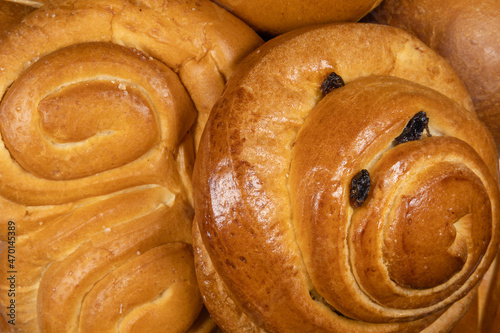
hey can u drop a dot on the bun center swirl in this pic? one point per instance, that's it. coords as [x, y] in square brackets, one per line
[93, 112]
[359, 204]
[447, 208]
[412, 246]
[74, 113]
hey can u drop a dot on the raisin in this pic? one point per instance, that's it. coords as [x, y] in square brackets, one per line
[360, 186]
[414, 129]
[332, 81]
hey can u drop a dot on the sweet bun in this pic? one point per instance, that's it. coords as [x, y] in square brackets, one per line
[100, 109]
[12, 13]
[338, 188]
[271, 18]
[466, 35]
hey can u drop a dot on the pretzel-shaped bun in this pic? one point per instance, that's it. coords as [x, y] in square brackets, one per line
[339, 188]
[101, 105]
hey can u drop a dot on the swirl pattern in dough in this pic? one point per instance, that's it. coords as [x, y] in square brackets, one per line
[368, 207]
[101, 105]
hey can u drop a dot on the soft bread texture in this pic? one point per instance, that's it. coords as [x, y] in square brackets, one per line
[101, 105]
[279, 248]
[466, 35]
[272, 18]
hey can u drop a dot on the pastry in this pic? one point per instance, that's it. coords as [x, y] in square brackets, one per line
[102, 103]
[271, 18]
[338, 188]
[466, 35]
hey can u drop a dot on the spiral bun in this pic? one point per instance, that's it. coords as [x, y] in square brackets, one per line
[367, 207]
[272, 18]
[102, 103]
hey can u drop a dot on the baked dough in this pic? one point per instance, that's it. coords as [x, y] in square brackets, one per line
[272, 18]
[466, 35]
[279, 244]
[101, 105]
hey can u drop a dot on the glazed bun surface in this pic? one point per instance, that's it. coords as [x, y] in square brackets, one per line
[272, 18]
[338, 188]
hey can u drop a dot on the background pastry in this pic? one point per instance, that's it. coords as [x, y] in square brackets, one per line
[101, 105]
[271, 18]
[466, 35]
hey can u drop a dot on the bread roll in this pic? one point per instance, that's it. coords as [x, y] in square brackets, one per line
[271, 18]
[101, 105]
[338, 188]
[466, 34]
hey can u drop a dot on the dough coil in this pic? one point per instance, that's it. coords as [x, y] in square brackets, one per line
[367, 207]
[102, 102]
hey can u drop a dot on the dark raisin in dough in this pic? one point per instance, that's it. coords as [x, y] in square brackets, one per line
[332, 81]
[414, 129]
[360, 186]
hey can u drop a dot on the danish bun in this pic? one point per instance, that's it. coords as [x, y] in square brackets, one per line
[338, 188]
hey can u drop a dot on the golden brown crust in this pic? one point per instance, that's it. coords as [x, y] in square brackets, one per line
[466, 36]
[277, 244]
[272, 18]
[102, 105]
